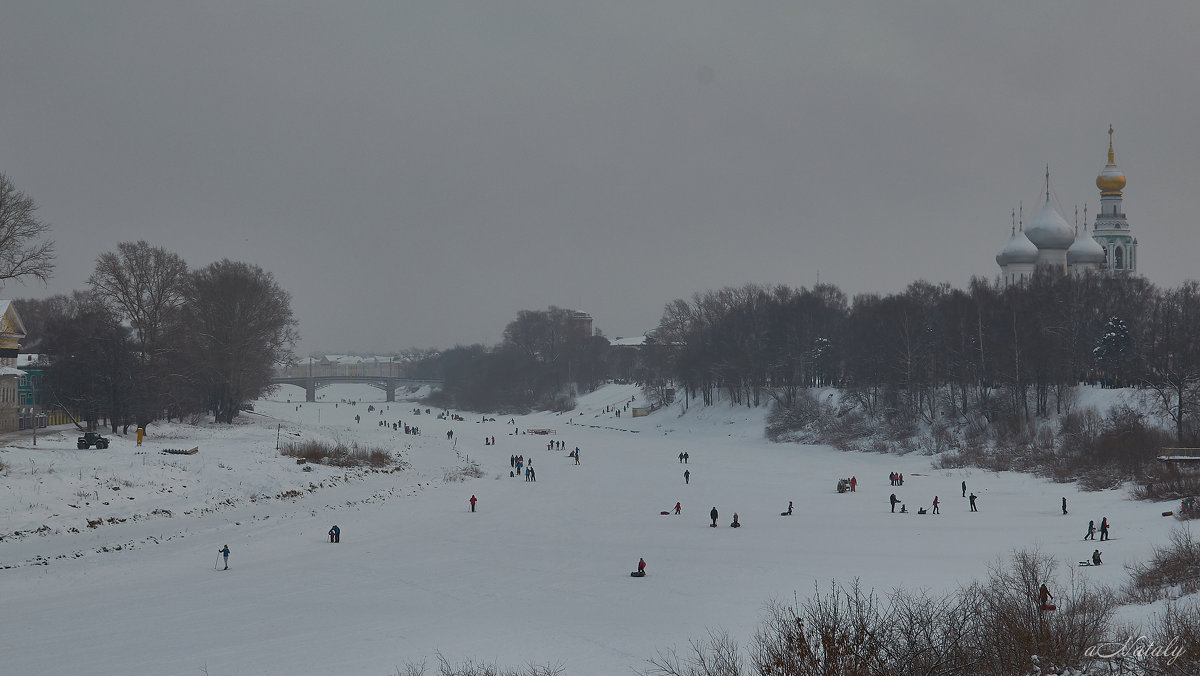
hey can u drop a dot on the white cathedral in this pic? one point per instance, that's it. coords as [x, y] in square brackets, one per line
[1049, 240]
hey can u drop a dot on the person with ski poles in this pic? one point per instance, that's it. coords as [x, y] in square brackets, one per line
[225, 551]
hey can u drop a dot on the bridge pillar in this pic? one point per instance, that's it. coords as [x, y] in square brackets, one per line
[310, 390]
[391, 389]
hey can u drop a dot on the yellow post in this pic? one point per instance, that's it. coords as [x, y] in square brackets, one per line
[140, 433]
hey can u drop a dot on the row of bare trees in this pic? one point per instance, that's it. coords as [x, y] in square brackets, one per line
[151, 339]
[993, 350]
[545, 357]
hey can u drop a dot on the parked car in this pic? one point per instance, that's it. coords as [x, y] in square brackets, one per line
[90, 439]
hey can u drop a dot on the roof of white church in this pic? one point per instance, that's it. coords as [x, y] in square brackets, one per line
[1019, 250]
[1085, 249]
[1050, 230]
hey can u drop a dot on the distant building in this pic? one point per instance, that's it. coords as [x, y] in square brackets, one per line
[12, 330]
[1050, 241]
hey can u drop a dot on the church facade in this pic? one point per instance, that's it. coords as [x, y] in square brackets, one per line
[1049, 240]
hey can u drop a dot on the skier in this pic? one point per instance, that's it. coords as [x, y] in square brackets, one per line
[894, 500]
[972, 498]
[1091, 534]
[472, 503]
[735, 523]
[964, 487]
[677, 508]
[935, 505]
[853, 485]
[1096, 558]
[687, 476]
[1104, 529]
[1044, 597]
[713, 515]
[335, 534]
[225, 551]
[1064, 505]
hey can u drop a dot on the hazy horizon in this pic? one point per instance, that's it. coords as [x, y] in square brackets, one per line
[414, 175]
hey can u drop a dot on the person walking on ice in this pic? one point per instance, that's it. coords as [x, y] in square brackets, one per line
[1091, 534]
[713, 516]
[973, 507]
[964, 487]
[472, 501]
[1064, 505]
[225, 551]
[935, 505]
[1104, 529]
[853, 483]
[894, 500]
[335, 534]
[677, 508]
[576, 455]
[687, 476]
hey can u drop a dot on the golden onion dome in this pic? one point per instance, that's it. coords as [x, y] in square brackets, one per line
[1111, 180]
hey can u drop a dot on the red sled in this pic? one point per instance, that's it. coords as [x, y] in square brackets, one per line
[1049, 606]
[664, 512]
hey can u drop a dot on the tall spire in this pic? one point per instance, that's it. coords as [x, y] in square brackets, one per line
[1076, 219]
[1085, 223]
[1021, 204]
[1047, 183]
[1110, 181]
[1014, 219]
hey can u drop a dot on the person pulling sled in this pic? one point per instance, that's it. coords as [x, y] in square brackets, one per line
[641, 571]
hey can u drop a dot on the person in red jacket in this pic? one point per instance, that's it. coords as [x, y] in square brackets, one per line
[853, 483]
[472, 503]
[677, 508]
[642, 566]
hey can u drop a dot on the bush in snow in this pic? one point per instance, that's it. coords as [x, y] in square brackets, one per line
[1173, 570]
[990, 628]
[1178, 623]
[338, 454]
[469, 668]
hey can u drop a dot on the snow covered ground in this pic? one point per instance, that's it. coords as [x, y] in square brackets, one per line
[540, 573]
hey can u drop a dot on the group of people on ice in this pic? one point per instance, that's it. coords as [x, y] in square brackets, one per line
[1091, 531]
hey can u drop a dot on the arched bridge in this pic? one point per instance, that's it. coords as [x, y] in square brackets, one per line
[386, 383]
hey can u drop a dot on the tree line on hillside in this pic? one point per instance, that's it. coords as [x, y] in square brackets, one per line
[151, 339]
[1008, 353]
[1004, 352]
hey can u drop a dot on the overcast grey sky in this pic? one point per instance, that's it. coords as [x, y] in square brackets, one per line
[416, 173]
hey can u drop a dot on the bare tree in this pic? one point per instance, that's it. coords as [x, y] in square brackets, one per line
[145, 284]
[24, 249]
[240, 325]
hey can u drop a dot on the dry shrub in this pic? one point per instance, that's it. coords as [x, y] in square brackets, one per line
[1172, 571]
[1014, 627]
[471, 471]
[339, 454]
[1177, 627]
[470, 668]
[991, 628]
